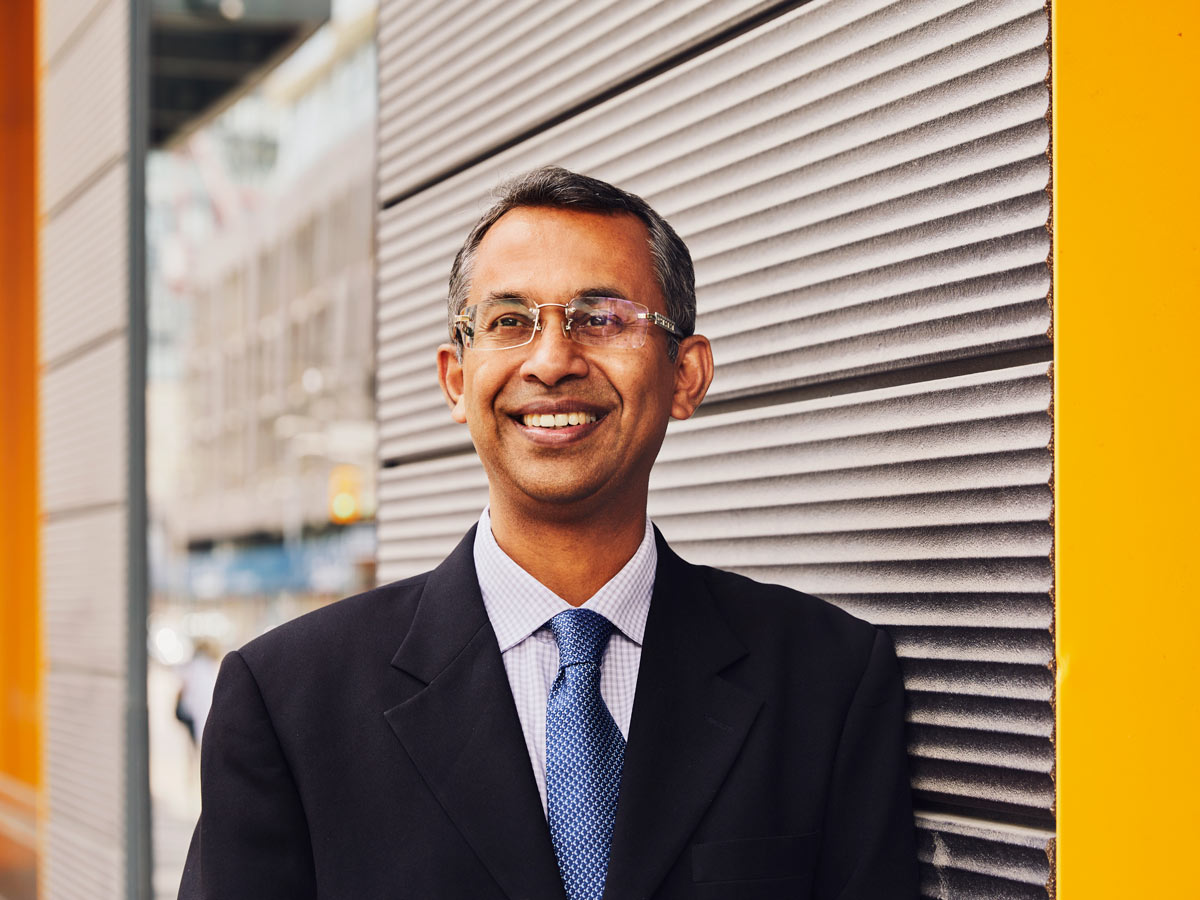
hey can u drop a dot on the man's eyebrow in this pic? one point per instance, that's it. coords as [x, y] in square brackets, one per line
[602, 291]
[514, 296]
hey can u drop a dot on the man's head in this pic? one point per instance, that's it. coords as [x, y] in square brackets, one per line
[571, 417]
[551, 187]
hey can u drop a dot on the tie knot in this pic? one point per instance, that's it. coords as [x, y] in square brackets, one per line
[581, 636]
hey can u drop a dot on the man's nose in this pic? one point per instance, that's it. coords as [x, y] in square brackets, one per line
[553, 356]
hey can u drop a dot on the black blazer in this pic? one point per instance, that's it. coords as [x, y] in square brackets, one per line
[372, 749]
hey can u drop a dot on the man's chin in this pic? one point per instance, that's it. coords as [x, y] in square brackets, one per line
[564, 496]
[554, 490]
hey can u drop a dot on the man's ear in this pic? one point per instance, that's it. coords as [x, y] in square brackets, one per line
[450, 377]
[693, 375]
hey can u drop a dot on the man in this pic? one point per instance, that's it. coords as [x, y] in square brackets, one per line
[563, 708]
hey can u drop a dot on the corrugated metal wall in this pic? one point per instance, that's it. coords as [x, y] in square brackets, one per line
[864, 187]
[89, 466]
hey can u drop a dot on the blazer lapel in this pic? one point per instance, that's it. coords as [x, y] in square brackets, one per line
[461, 730]
[687, 728]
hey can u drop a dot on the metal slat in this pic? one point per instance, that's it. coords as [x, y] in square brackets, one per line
[747, 551]
[504, 69]
[85, 764]
[774, 76]
[85, 106]
[78, 865]
[423, 66]
[668, 131]
[987, 714]
[480, 71]
[62, 20]
[84, 278]
[84, 591]
[981, 748]
[414, 252]
[963, 859]
[822, 114]
[999, 610]
[83, 440]
[865, 234]
[969, 449]
[984, 412]
[84, 453]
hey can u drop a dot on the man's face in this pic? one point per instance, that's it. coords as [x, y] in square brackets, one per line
[622, 396]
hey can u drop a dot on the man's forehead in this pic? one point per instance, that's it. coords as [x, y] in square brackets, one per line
[534, 222]
[568, 252]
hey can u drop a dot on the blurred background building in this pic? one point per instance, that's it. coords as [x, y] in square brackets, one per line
[261, 418]
[227, 227]
[260, 393]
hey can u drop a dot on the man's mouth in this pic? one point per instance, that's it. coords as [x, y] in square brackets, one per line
[557, 420]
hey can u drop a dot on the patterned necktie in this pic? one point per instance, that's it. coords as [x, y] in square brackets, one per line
[584, 755]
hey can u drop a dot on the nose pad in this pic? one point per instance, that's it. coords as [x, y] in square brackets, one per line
[540, 324]
[553, 357]
[565, 327]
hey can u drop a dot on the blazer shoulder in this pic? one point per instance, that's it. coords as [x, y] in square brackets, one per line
[762, 611]
[815, 642]
[339, 626]
[767, 599]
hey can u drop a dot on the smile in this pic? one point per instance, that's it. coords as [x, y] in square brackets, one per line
[557, 420]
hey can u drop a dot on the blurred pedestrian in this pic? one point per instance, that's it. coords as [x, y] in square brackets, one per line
[198, 676]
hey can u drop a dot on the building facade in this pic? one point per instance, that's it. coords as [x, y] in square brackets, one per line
[279, 364]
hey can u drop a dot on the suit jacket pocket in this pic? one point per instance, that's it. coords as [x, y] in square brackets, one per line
[783, 864]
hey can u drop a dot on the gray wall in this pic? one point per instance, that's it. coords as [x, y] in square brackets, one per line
[864, 187]
[91, 456]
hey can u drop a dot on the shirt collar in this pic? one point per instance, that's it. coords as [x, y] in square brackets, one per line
[518, 604]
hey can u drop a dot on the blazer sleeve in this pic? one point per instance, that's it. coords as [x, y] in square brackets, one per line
[252, 839]
[869, 841]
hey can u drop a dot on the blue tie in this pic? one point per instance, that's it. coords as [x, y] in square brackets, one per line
[584, 755]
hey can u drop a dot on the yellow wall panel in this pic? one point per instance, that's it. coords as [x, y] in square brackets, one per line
[1127, 289]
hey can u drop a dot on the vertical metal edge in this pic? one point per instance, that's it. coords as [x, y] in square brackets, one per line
[138, 868]
[378, 207]
[1049, 7]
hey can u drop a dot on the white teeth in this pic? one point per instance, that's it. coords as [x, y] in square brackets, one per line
[557, 420]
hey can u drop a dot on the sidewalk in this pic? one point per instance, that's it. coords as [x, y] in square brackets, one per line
[174, 782]
[172, 835]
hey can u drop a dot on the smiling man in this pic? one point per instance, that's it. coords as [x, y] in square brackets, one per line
[564, 708]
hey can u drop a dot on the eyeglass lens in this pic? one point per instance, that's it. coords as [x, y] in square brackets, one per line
[611, 321]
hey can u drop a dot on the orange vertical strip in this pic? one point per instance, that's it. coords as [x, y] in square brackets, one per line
[1127, 327]
[19, 637]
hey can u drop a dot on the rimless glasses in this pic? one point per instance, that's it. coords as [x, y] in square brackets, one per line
[597, 321]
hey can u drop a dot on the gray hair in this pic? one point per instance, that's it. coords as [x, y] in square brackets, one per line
[556, 188]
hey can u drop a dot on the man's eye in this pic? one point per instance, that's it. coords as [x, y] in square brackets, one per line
[510, 321]
[598, 322]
